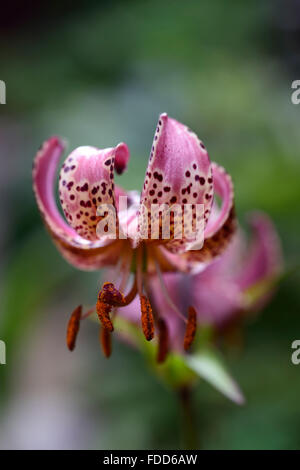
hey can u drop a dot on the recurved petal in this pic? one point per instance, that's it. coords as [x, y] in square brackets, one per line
[179, 173]
[86, 182]
[221, 225]
[80, 252]
[224, 189]
[264, 257]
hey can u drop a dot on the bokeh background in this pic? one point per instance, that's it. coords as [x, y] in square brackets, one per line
[98, 73]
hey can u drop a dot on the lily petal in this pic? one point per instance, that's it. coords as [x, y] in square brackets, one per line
[179, 173]
[264, 259]
[224, 189]
[87, 180]
[221, 225]
[217, 299]
[80, 252]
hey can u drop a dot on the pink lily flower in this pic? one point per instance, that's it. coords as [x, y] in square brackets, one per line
[179, 172]
[240, 281]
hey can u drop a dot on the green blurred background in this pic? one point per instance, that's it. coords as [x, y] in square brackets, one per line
[98, 73]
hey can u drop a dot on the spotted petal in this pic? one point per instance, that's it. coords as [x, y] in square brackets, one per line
[221, 224]
[86, 181]
[179, 173]
[79, 251]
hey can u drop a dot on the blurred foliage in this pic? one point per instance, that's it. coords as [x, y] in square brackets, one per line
[101, 74]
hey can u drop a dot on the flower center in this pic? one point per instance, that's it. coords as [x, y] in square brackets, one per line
[111, 298]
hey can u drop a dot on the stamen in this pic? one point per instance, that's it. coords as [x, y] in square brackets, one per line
[125, 269]
[73, 327]
[103, 311]
[190, 328]
[131, 294]
[88, 313]
[166, 293]
[147, 318]
[105, 340]
[139, 271]
[163, 340]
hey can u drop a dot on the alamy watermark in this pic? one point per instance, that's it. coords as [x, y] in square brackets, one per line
[295, 96]
[2, 352]
[182, 222]
[2, 92]
[295, 357]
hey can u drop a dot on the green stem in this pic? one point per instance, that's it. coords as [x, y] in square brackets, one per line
[188, 421]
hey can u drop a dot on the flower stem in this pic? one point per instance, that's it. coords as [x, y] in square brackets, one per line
[188, 422]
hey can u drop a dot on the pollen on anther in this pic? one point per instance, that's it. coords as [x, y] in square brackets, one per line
[73, 327]
[105, 340]
[147, 318]
[191, 327]
[103, 311]
[110, 295]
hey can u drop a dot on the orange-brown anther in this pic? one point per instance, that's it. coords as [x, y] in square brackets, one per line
[73, 327]
[105, 340]
[103, 311]
[190, 328]
[110, 295]
[163, 340]
[147, 318]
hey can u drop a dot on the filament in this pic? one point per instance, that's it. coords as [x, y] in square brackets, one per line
[166, 293]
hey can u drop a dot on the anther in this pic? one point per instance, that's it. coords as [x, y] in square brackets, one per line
[163, 341]
[105, 340]
[147, 318]
[190, 328]
[103, 311]
[110, 295]
[73, 327]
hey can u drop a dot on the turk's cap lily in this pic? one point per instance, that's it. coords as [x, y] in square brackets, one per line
[179, 173]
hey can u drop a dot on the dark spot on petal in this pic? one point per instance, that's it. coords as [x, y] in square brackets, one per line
[157, 176]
